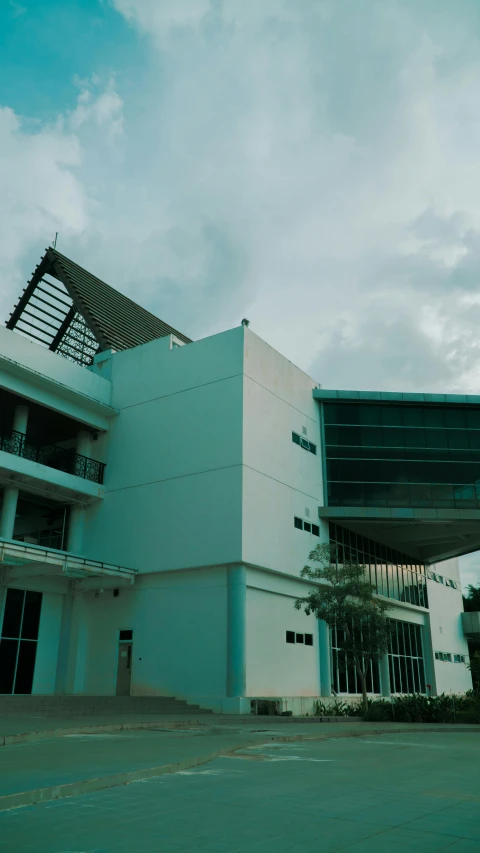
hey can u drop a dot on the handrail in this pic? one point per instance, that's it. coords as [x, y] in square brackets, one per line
[53, 456]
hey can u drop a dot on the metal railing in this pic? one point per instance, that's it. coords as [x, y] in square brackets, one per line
[53, 456]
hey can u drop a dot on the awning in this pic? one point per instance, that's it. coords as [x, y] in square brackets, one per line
[20, 561]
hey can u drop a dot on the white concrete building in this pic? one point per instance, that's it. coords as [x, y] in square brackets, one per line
[160, 497]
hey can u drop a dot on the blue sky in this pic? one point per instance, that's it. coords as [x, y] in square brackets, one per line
[311, 165]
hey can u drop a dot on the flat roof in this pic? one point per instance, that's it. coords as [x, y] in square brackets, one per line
[330, 395]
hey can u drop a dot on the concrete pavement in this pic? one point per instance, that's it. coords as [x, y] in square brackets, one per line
[56, 767]
[415, 791]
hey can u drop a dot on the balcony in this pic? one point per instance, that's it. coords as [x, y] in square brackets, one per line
[53, 456]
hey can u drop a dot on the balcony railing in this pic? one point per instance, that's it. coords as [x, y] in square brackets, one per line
[54, 457]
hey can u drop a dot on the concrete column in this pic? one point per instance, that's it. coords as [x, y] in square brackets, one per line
[428, 656]
[76, 520]
[84, 443]
[9, 511]
[10, 493]
[324, 659]
[20, 419]
[236, 630]
[385, 677]
[65, 641]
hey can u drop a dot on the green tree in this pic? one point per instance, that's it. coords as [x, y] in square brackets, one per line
[344, 599]
[471, 602]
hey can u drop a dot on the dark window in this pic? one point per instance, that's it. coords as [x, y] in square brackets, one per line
[18, 644]
[307, 526]
[295, 438]
[8, 660]
[305, 443]
[298, 523]
[12, 618]
[126, 635]
[290, 636]
[309, 639]
[387, 455]
[313, 449]
[315, 530]
[299, 638]
[31, 616]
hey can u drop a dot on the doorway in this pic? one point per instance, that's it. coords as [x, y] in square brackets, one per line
[124, 663]
[19, 638]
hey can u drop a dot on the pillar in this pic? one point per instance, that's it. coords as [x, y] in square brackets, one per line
[385, 677]
[65, 641]
[10, 493]
[20, 419]
[76, 520]
[324, 659]
[236, 630]
[84, 443]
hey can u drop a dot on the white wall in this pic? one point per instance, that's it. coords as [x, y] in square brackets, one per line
[33, 371]
[47, 646]
[275, 667]
[179, 635]
[173, 479]
[280, 479]
[446, 607]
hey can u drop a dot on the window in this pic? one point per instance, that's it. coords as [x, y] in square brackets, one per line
[405, 658]
[304, 442]
[18, 643]
[299, 638]
[125, 636]
[309, 639]
[290, 636]
[387, 455]
[315, 530]
[298, 523]
[307, 526]
[393, 574]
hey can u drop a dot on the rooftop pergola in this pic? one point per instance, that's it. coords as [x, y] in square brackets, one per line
[77, 315]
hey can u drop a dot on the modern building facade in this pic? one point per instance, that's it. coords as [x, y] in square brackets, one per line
[160, 497]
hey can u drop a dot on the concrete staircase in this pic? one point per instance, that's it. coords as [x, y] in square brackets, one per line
[66, 706]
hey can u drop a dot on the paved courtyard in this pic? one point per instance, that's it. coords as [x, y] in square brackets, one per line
[392, 792]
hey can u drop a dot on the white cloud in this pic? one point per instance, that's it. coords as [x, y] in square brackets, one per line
[310, 165]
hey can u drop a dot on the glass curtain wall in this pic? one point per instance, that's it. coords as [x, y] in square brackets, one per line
[394, 575]
[405, 659]
[406, 455]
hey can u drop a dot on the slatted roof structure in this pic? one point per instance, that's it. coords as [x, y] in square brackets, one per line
[74, 313]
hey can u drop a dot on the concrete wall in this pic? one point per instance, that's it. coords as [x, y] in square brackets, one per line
[179, 635]
[174, 458]
[49, 379]
[275, 667]
[47, 646]
[446, 607]
[280, 479]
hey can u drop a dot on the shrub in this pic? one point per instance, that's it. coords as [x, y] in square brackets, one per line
[417, 708]
[337, 709]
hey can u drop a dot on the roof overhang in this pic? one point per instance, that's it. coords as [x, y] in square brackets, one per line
[21, 562]
[326, 395]
[429, 535]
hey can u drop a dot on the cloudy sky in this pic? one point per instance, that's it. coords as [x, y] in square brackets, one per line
[312, 165]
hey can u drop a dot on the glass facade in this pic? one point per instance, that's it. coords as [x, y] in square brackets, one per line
[405, 659]
[344, 674]
[393, 574]
[386, 455]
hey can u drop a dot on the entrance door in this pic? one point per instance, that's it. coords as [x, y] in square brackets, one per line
[18, 643]
[124, 666]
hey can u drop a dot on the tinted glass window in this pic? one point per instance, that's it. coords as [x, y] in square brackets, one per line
[384, 455]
